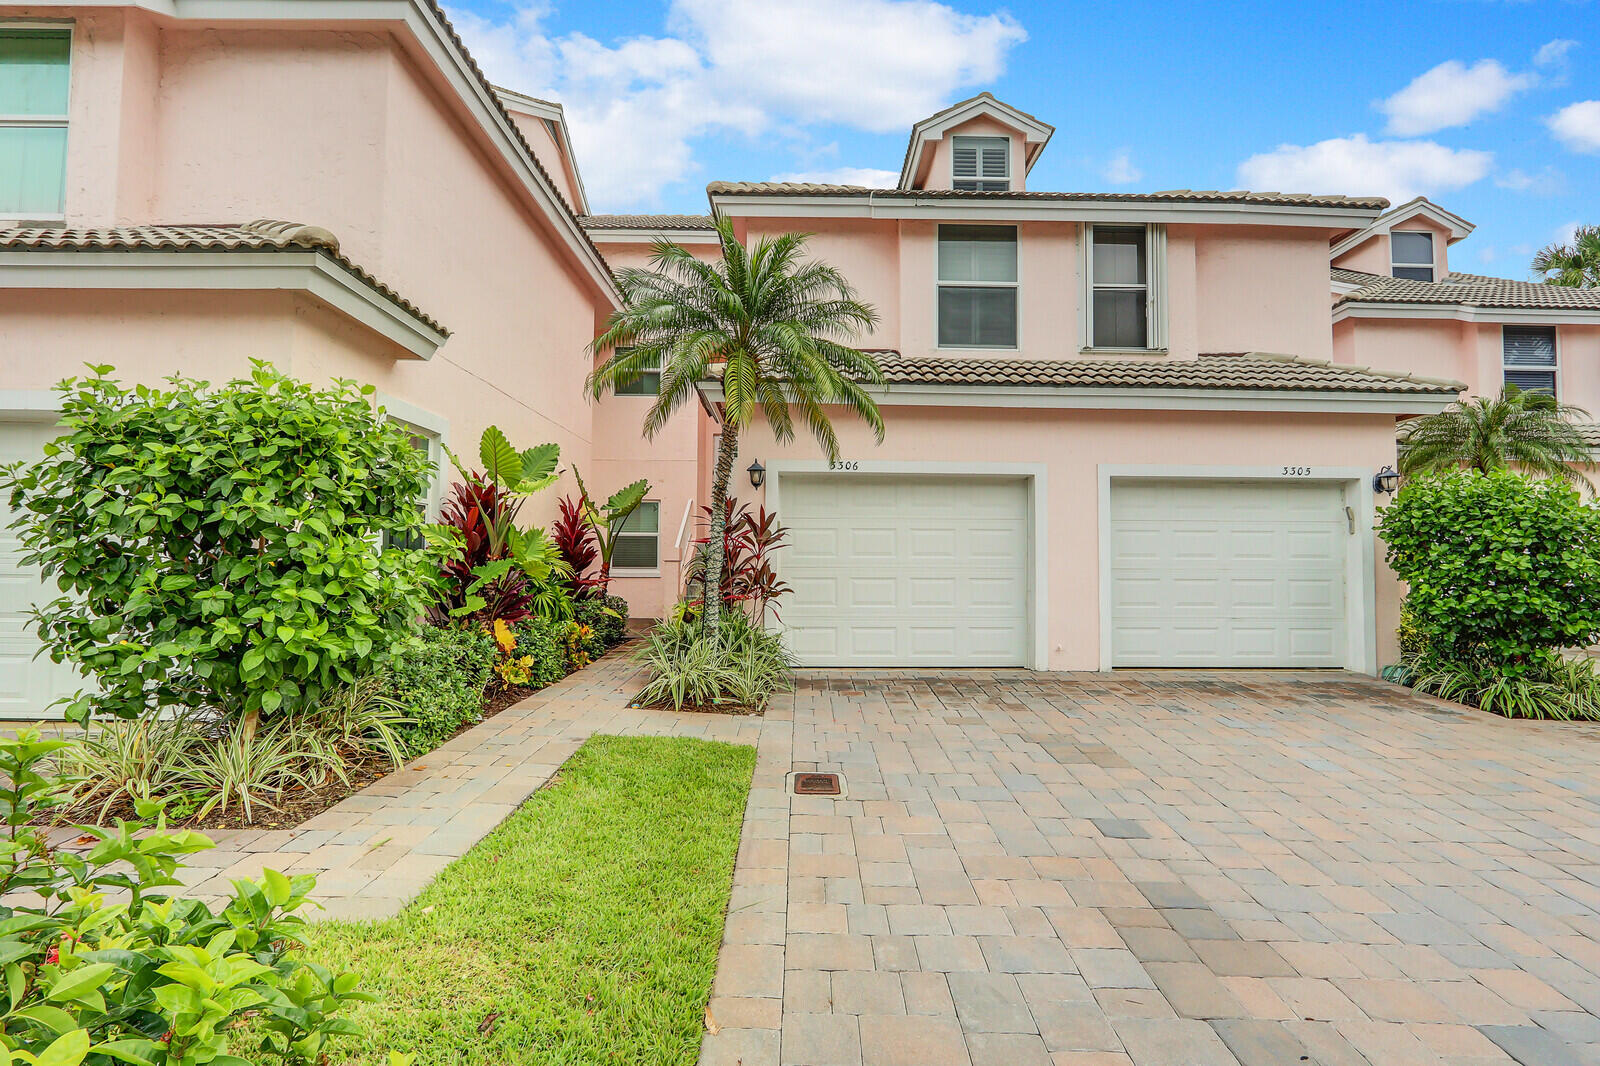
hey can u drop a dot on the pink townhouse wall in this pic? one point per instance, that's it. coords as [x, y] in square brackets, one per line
[377, 131]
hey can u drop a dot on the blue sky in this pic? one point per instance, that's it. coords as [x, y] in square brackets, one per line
[1491, 109]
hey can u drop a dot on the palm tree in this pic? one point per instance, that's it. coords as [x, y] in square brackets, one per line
[773, 324]
[1576, 265]
[1528, 430]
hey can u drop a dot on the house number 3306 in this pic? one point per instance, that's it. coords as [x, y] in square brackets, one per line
[844, 464]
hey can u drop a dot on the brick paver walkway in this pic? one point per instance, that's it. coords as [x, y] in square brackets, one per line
[375, 850]
[1162, 869]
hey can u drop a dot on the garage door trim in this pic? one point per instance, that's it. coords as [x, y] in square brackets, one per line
[1033, 475]
[1360, 574]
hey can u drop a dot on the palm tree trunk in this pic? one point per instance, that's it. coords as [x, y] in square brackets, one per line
[726, 450]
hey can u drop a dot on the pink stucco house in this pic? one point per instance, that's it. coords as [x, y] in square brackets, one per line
[1123, 429]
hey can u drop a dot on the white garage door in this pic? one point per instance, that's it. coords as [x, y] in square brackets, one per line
[27, 685]
[906, 571]
[1215, 574]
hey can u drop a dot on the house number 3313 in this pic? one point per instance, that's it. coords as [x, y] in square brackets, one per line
[844, 464]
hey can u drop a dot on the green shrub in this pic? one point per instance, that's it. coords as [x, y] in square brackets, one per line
[538, 638]
[438, 676]
[215, 546]
[1551, 687]
[743, 667]
[608, 618]
[1500, 568]
[1413, 641]
[156, 979]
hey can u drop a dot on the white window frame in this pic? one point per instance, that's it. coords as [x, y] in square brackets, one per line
[979, 181]
[63, 121]
[1433, 255]
[1554, 369]
[618, 391]
[1155, 285]
[939, 284]
[642, 571]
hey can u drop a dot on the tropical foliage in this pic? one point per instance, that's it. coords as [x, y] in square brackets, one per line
[1528, 431]
[575, 540]
[215, 546]
[749, 540]
[773, 325]
[157, 980]
[607, 521]
[1575, 263]
[740, 667]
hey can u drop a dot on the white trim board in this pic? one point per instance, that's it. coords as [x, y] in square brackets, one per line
[650, 236]
[1038, 505]
[1144, 399]
[1360, 563]
[1514, 316]
[307, 271]
[1457, 227]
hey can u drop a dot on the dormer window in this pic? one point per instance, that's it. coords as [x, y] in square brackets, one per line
[980, 164]
[1411, 255]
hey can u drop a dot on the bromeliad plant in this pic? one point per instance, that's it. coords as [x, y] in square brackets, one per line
[217, 547]
[156, 980]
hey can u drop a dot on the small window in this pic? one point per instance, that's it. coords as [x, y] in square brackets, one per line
[1412, 255]
[638, 544]
[34, 78]
[427, 443]
[980, 164]
[1530, 358]
[977, 286]
[1119, 271]
[648, 383]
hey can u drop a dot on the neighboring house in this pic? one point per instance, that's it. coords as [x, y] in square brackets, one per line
[1396, 302]
[1121, 431]
[432, 245]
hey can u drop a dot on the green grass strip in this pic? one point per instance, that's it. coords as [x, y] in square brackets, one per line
[582, 930]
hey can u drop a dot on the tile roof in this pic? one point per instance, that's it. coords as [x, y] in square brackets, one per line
[1471, 290]
[262, 235]
[1236, 196]
[650, 222]
[1218, 370]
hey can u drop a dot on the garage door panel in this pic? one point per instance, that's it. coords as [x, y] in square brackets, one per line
[941, 579]
[28, 685]
[1213, 573]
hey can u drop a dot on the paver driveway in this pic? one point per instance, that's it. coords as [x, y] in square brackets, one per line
[1168, 869]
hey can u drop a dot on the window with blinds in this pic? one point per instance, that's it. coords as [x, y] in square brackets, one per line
[977, 286]
[638, 544]
[1530, 358]
[648, 383]
[1411, 255]
[34, 78]
[980, 164]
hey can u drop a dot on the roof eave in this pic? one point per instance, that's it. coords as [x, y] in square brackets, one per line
[1347, 308]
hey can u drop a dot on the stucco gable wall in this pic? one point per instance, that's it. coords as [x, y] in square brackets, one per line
[937, 173]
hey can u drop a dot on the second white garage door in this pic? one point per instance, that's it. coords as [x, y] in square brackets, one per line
[1228, 573]
[906, 571]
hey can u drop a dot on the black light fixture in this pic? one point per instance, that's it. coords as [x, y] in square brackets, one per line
[758, 474]
[1385, 480]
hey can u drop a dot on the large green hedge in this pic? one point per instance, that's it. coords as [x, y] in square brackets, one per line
[221, 547]
[1500, 566]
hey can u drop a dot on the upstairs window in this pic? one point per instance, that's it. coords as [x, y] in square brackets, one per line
[34, 77]
[977, 286]
[648, 383]
[1120, 268]
[1411, 254]
[980, 164]
[1530, 358]
[639, 540]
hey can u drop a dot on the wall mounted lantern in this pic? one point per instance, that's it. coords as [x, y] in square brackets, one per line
[758, 474]
[1385, 480]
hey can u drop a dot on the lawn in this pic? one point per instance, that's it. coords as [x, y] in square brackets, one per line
[583, 930]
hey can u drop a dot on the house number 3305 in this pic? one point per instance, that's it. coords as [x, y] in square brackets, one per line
[1297, 471]
[844, 464]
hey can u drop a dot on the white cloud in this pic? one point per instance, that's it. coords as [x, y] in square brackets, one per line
[1120, 170]
[1553, 53]
[1487, 254]
[1577, 126]
[1356, 166]
[636, 107]
[867, 176]
[1452, 94]
[1548, 182]
[1567, 233]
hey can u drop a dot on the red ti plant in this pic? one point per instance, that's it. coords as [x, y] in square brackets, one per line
[475, 508]
[748, 543]
[575, 539]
